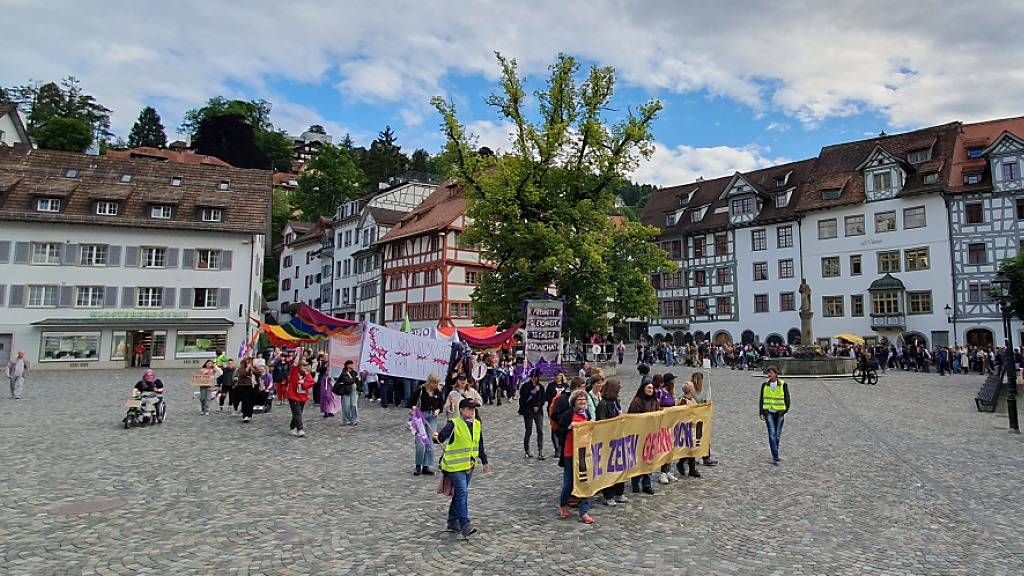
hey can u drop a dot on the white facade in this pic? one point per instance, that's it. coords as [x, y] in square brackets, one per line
[340, 296]
[301, 272]
[768, 270]
[85, 296]
[905, 237]
[10, 132]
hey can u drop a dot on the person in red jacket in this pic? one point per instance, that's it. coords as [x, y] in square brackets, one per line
[300, 383]
[578, 413]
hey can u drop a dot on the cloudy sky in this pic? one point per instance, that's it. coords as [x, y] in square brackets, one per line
[744, 84]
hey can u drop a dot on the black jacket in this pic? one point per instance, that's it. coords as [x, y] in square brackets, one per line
[607, 409]
[528, 399]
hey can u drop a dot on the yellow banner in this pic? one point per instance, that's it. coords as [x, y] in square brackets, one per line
[612, 451]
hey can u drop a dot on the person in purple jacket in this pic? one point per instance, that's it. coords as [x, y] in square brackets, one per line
[666, 395]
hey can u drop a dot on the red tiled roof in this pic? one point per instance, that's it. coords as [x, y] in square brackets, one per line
[978, 135]
[164, 154]
[437, 212]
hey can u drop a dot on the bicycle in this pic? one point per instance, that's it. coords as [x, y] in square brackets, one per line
[865, 374]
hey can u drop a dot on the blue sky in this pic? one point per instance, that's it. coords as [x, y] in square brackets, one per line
[744, 83]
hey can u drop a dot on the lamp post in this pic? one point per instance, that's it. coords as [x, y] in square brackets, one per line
[1001, 286]
[951, 319]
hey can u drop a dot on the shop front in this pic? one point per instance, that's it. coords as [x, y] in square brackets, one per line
[132, 340]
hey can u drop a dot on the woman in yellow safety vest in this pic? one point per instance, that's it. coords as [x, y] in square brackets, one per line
[772, 408]
[465, 446]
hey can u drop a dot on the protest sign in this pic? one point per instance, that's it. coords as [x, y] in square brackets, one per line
[202, 380]
[543, 330]
[393, 353]
[345, 344]
[607, 452]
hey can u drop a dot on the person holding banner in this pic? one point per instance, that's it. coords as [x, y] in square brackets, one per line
[702, 395]
[465, 447]
[644, 401]
[567, 420]
[300, 382]
[429, 401]
[609, 408]
[682, 463]
[773, 405]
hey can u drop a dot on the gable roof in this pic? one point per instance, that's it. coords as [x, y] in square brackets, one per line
[19, 126]
[29, 174]
[843, 164]
[709, 196]
[1005, 136]
[166, 155]
[437, 212]
[978, 135]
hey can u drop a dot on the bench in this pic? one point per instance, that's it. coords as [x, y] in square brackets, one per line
[988, 396]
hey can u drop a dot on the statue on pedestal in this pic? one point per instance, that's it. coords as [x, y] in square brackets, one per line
[807, 344]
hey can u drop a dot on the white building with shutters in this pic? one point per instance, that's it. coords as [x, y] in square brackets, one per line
[111, 263]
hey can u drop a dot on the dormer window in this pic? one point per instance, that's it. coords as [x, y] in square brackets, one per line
[781, 200]
[126, 178]
[177, 181]
[212, 215]
[780, 181]
[931, 178]
[696, 215]
[833, 193]
[48, 205]
[975, 152]
[880, 181]
[106, 208]
[919, 156]
[670, 220]
[224, 185]
[742, 206]
[972, 178]
[71, 173]
[160, 212]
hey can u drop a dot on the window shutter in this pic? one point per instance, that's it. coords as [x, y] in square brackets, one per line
[169, 294]
[224, 298]
[131, 256]
[186, 298]
[17, 299]
[172, 258]
[21, 252]
[64, 300]
[128, 297]
[70, 254]
[3, 292]
[110, 295]
[225, 259]
[114, 257]
[188, 259]
[5, 251]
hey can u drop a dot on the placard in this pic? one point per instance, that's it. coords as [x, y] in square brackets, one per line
[543, 330]
[394, 353]
[203, 380]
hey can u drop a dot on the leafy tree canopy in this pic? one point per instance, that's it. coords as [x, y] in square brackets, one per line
[328, 180]
[232, 139]
[317, 129]
[69, 134]
[148, 130]
[42, 102]
[255, 112]
[540, 210]
[277, 148]
[1013, 268]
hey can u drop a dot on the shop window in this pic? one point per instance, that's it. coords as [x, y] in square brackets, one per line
[199, 344]
[69, 346]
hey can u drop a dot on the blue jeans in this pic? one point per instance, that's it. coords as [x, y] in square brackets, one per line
[385, 392]
[458, 510]
[563, 500]
[407, 384]
[425, 454]
[350, 408]
[774, 421]
[636, 481]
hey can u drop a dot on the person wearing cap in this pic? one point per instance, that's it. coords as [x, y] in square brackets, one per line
[464, 440]
[531, 407]
[772, 408]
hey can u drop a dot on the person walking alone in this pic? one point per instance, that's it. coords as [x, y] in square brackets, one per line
[772, 406]
[465, 447]
[531, 407]
[17, 369]
[300, 383]
[347, 386]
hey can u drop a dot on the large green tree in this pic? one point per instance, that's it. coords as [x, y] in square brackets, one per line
[277, 148]
[43, 102]
[328, 180]
[1013, 268]
[148, 130]
[232, 139]
[384, 159]
[274, 146]
[69, 134]
[540, 210]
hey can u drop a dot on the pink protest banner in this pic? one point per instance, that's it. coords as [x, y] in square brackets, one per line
[394, 353]
[345, 344]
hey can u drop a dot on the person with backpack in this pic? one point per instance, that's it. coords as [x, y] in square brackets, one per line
[772, 408]
[346, 387]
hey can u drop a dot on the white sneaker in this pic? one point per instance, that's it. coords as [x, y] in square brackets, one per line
[663, 478]
[302, 433]
[609, 502]
[245, 419]
[671, 477]
[293, 432]
[621, 499]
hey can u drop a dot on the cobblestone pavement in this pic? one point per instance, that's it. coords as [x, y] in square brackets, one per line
[902, 478]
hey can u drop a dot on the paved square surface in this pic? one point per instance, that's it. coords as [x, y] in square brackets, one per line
[902, 478]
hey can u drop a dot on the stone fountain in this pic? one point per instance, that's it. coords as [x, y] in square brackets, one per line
[808, 359]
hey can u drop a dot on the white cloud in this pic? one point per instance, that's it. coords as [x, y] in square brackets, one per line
[777, 127]
[494, 135]
[918, 64]
[672, 166]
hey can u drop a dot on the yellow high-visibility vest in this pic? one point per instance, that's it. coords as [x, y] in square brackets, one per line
[773, 400]
[461, 454]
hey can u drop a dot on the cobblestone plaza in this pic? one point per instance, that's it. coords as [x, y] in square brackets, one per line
[902, 478]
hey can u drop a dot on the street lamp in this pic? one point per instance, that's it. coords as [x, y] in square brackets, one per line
[1001, 287]
[951, 319]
